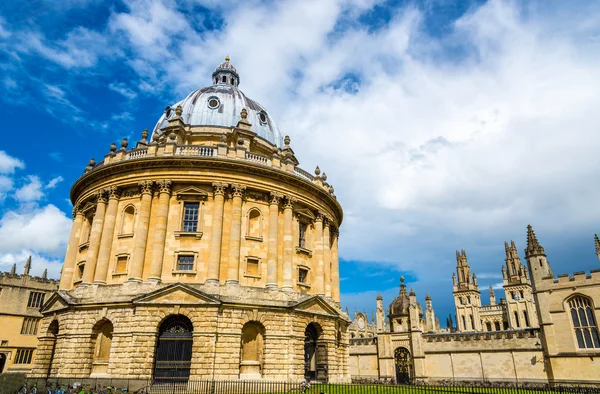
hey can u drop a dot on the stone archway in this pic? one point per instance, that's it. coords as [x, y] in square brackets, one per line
[2, 362]
[173, 356]
[404, 367]
[53, 333]
[315, 354]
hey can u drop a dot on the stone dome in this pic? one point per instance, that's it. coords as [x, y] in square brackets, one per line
[220, 105]
[399, 307]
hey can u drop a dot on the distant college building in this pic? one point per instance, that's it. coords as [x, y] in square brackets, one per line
[204, 252]
[546, 330]
[21, 297]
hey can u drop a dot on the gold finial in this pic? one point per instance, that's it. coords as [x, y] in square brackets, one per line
[227, 58]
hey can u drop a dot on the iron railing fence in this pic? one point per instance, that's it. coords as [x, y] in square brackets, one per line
[166, 386]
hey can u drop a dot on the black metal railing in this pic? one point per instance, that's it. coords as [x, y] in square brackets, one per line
[192, 386]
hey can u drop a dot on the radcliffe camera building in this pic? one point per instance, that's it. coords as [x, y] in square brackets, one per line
[204, 251]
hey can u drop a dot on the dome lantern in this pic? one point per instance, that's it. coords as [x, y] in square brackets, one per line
[225, 73]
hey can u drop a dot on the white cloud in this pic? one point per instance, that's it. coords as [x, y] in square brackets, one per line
[30, 191]
[42, 230]
[53, 182]
[123, 90]
[8, 164]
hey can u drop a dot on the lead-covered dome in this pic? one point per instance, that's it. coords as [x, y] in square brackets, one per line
[220, 105]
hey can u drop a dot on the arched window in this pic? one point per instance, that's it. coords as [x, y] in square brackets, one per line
[514, 269]
[254, 229]
[468, 299]
[103, 334]
[128, 220]
[224, 78]
[526, 318]
[488, 326]
[86, 229]
[231, 80]
[584, 323]
[464, 322]
[497, 326]
[252, 350]
[313, 358]
[472, 322]
[517, 322]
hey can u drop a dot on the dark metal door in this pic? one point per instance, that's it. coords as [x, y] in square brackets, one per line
[174, 350]
[403, 363]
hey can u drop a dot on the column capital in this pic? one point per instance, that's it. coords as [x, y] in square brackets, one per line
[113, 192]
[164, 186]
[318, 216]
[76, 210]
[288, 202]
[145, 187]
[238, 190]
[219, 188]
[274, 198]
[101, 196]
[334, 231]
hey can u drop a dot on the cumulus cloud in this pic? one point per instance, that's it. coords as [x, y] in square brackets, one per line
[44, 230]
[39, 263]
[53, 182]
[30, 191]
[8, 164]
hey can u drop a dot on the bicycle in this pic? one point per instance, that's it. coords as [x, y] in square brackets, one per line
[303, 389]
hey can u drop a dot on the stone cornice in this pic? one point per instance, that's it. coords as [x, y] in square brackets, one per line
[88, 179]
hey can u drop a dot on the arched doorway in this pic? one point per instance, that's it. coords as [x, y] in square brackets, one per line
[403, 363]
[174, 349]
[315, 354]
[252, 351]
[2, 362]
[52, 332]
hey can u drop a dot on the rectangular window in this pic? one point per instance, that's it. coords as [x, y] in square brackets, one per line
[121, 266]
[302, 235]
[185, 263]
[30, 326]
[302, 275]
[3, 343]
[190, 216]
[252, 267]
[23, 356]
[36, 299]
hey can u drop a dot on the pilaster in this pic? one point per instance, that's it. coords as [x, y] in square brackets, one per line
[319, 271]
[108, 231]
[160, 230]
[274, 199]
[141, 232]
[66, 277]
[214, 255]
[288, 243]
[95, 236]
[233, 271]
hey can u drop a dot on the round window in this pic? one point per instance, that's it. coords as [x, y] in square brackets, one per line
[213, 103]
[167, 112]
[262, 117]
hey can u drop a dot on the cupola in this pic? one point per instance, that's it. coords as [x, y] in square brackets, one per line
[225, 73]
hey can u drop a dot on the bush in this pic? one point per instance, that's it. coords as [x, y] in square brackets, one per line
[11, 383]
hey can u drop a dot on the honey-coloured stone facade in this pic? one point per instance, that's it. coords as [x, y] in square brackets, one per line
[207, 235]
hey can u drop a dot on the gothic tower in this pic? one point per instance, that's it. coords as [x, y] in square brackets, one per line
[520, 307]
[467, 298]
[539, 267]
[597, 243]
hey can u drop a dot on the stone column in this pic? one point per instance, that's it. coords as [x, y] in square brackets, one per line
[326, 258]
[288, 244]
[141, 233]
[319, 266]
[214, 253]
[160, 230]
[273, 237]
[66, 278]
[108, 230]
[335, 266]
[95, 235]
[233, 271]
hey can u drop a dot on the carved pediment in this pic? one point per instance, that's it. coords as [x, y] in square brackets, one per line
[191, 193]
[55, 303]
[316, 305]
[88, 208]
[305, 214]
[177, 294]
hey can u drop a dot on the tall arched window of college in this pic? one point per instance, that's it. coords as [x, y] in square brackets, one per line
[584, 322]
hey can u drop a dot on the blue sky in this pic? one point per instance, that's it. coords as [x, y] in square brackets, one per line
[442, 125]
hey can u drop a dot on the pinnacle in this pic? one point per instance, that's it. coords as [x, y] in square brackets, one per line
[597, 242]
[533, 246]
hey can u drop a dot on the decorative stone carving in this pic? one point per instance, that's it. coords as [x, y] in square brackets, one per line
[219, 188]
[244, 113]
[101, 196]
[274, 198]
[113, 147]
[237, 190]
[318, 216]
[288, 202]
[124, 144]
[178, 111]
[145, 187]
[317, 171]
[113, 192]
[164, 186]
